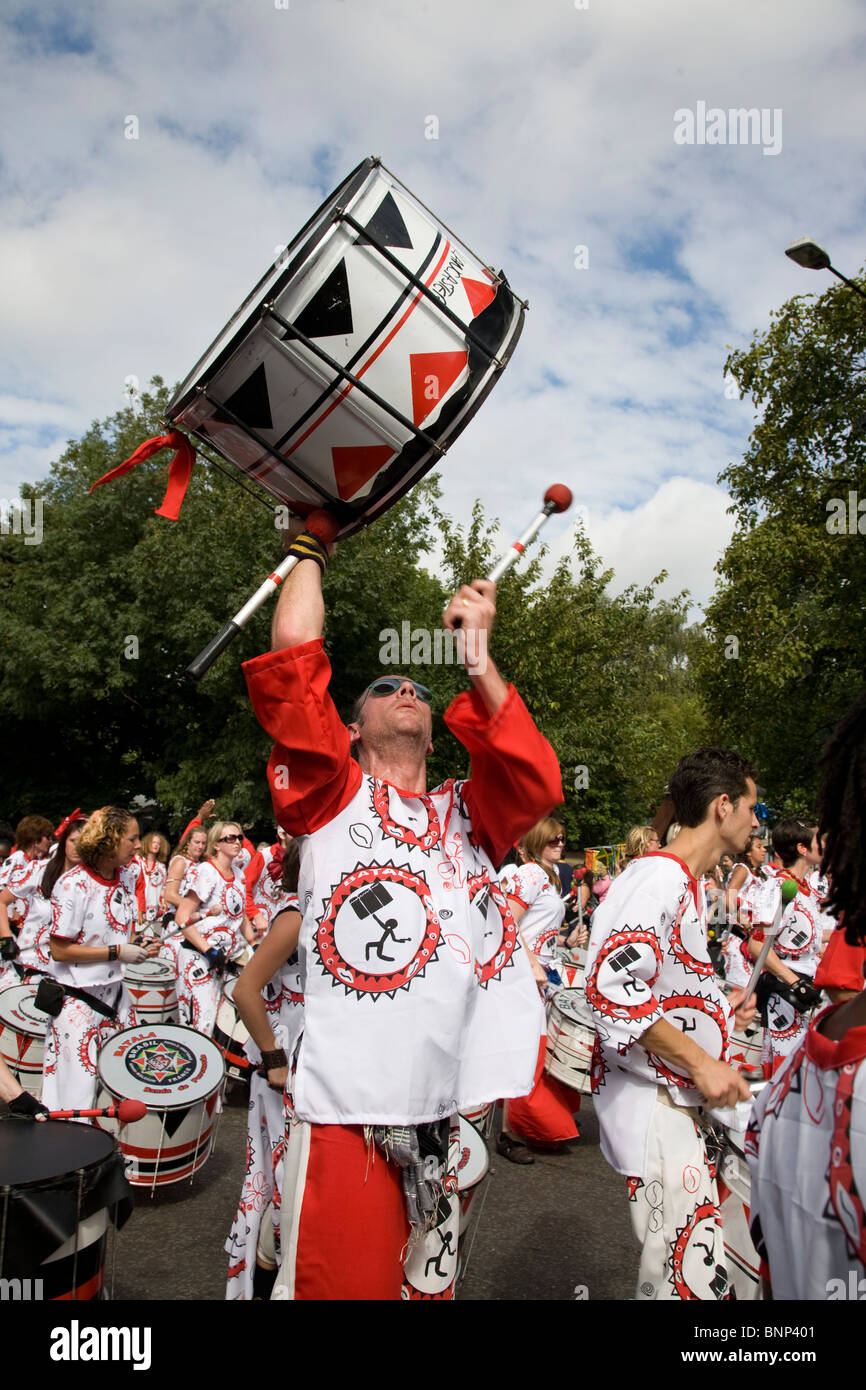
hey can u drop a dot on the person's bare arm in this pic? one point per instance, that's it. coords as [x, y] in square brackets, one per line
[718, 1083]
[300, 612]
[280, 942]
[472, 610]
[773, 963]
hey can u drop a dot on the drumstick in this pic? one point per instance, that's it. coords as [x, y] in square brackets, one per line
[325, 528]
[789, 893]
[126, 1111]
[556, 499]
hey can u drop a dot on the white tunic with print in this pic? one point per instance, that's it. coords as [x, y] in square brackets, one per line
[542, 921]
[93, 911]
[806, 1147]
[413, 940]
[648, 960]
[222, 929]
[23, 877]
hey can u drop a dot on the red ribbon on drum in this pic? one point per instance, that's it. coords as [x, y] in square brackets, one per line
[179, 469]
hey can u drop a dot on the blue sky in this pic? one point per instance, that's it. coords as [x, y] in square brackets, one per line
[555, 131]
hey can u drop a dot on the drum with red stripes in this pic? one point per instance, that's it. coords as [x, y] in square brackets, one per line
[570, 1039]
[735, 1192]
[22, 1035]
[179, 1075]
[360, 355]
[152, 985]
[231, 1034]
[60, 1185]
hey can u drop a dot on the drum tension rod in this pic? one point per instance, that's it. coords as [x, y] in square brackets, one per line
[263, 444]
[268, 309]
[465, 329]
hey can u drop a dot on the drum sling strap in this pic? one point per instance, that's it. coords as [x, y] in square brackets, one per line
[107, 1010]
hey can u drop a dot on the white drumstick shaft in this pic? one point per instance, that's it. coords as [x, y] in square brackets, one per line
[513, 555]
[770, 935]
[264, 591]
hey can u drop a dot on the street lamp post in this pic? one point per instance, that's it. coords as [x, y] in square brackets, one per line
[808, 253]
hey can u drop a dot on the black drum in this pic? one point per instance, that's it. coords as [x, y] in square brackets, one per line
[61, 1183]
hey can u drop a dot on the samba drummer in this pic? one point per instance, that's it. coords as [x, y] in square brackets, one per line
[410, 1013]
[94, 919]
[20, 879]
[663, 1026]
[270, 1001]
[211, 928]
[545, 1117]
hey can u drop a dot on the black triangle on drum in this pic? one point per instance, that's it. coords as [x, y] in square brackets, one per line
[329, 312]
[250, 402]
[386, 225]
[173, 1119]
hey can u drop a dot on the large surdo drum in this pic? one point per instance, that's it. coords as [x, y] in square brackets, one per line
[22, 1035]
[358, 358]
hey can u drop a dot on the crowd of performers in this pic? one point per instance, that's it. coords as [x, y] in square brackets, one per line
[395, 974]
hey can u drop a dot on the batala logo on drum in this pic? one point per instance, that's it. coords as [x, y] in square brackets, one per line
[160, 1060]
[379, 930]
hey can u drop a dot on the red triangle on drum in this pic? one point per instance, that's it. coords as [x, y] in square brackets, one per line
[354, 466]
[479, 295]
[433, 375]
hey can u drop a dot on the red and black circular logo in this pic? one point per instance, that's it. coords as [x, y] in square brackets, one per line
[688, 939]
[619, 955]
[493, 926]
[379, 930]
[424, 836]
[702, 1020]
[697, 1272]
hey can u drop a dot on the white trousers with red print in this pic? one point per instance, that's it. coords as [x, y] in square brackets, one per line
[199, 987]
[263, 1180]
[72, 1044]
[675, 1214]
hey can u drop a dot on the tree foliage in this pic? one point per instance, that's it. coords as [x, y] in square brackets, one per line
[792, 583]
[100, 620]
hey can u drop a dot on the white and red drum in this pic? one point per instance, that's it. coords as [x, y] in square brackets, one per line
[746, 1047]
[473, 1163]
[231, 1034]
[570, 1039]
[735, 1191]
[357, 359]
[572, 968]
[179, 1074]
[22, 1035]
[60, 1185]
[152, 985]
[481, 1117]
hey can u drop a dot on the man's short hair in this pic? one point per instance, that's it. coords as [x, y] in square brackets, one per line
[702, 776]
[788, 834]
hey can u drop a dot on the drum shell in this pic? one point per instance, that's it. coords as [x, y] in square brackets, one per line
[307, 434]
[35, 1213]
[152, 985]
[734, 1203]
[231, 1034]
[174, 1139]
[749, 1044]
[22, 1036]
[570, 1040]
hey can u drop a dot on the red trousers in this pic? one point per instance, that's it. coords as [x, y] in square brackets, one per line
[344, 1226]
[545, 1116]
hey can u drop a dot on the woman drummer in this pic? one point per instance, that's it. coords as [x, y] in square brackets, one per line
[211, 928]
[150, 883]
[191, 849]
[545, 1116]
[94, 917]
[270, 1002]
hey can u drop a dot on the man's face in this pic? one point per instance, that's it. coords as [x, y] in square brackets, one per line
[739, 821]
[386, 717]
[812, 852]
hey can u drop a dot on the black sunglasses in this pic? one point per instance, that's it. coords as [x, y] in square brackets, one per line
[228, 839]
[389, 684]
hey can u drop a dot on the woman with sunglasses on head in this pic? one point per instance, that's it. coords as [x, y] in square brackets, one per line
[211, 928]
[533, 888]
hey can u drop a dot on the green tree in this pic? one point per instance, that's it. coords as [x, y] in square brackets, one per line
[785, 657]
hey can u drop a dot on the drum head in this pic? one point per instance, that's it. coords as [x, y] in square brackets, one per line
[473, 1160]
[572, 1003]
[19, 1013]
[361, 354]
[33, 1154]
[155, 971]
[163, 1064]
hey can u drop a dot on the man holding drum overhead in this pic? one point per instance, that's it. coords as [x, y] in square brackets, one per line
[663, 1026]
[419, 1000]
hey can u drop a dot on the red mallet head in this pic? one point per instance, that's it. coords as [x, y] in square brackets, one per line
[322, 525]
[560, 496]
[128, 1111]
